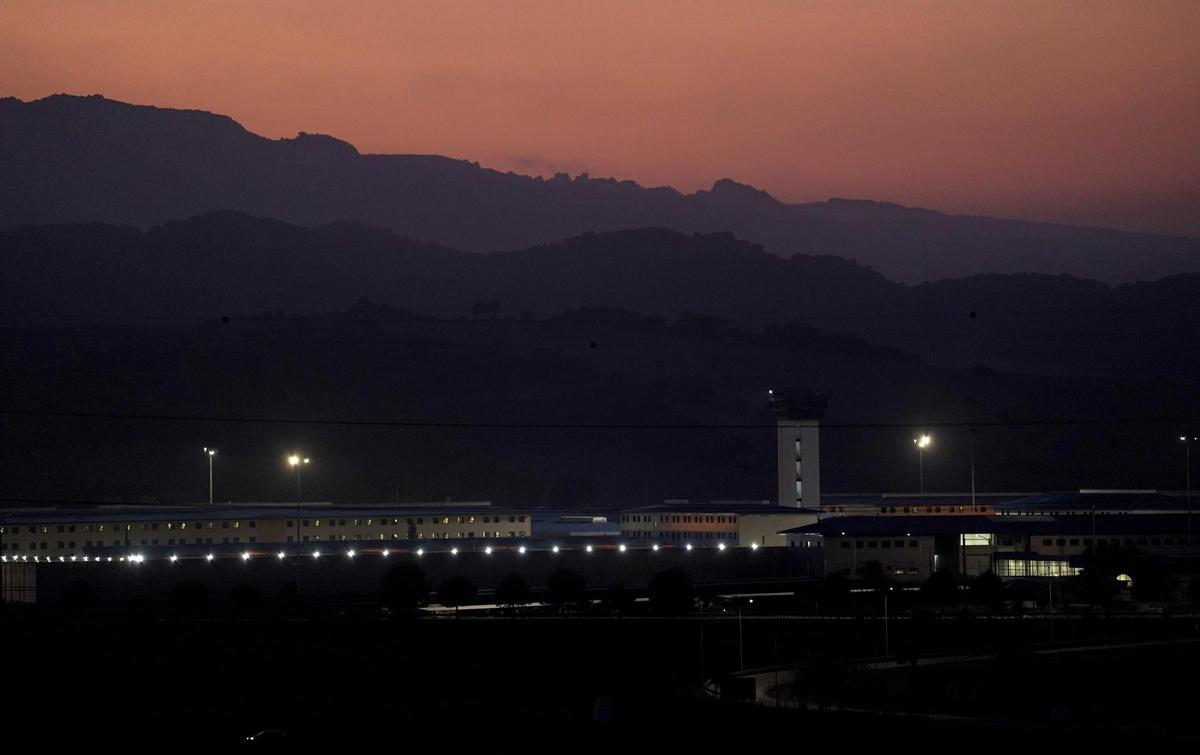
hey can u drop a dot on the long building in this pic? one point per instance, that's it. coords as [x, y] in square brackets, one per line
[911, 548]
[74, 531]
[732, 523]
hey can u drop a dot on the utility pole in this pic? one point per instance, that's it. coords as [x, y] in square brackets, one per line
[210, 453]
[1051, 586]
[922, 442]
[887, 649]
[1187, 475]
[741, 655]
[974, 509]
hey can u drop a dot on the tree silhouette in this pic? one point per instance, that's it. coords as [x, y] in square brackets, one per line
[456, 591]
[80, 599]
[834, 594]
[292, 603]
[565, 587]
[874, 576]
[245, 600]
[940, 589]
[188, 601]
[619, 598]
[403, 588]
[488, 309]
[512, 591]
[987, 590]
[671, 592]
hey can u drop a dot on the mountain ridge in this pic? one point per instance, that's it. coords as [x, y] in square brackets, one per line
[226, 262]
[76, 159]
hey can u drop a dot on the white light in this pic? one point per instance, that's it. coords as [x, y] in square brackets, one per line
[488, 550]
[72, 558]
[246, 556]
[386, 552]
[521, 550]
[37, 559]
[687, 547]
[420, 551]
[621, 547]
[110, 558]
[350, 554]
[589, 549]
[173, 558]
[555, 549]
[281, 555]
[316, 554]
[209, 557]
[720, 546]
[654, 547]
[454, 551]
[85, 558]
[753, 546]
[4, 559]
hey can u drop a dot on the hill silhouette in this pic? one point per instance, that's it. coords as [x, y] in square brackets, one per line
[231, 265]
[494, 385]
[82, 159]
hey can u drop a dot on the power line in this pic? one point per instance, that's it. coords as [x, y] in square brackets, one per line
[877, 339]
[981, 314]
[424, 424]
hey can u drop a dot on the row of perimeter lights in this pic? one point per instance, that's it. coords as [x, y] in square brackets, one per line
[281, 555]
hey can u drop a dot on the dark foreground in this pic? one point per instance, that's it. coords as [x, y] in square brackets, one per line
[573, 684]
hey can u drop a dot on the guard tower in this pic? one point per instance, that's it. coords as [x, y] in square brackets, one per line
[798, 439]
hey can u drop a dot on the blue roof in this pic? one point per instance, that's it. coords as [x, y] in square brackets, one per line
[915, 526]
[1101, 500]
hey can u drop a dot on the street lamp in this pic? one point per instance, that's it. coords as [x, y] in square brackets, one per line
[887, 650]
[1186, 440]
[210, 453]
[297, 461]
[922, 442]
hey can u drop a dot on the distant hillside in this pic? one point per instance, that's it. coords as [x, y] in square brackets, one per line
[583, 367]
[230, 265]
[84, 159]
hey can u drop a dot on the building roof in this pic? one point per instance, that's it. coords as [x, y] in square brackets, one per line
[1101, 500]
[918, 526]
[719, 507]
[137, 513]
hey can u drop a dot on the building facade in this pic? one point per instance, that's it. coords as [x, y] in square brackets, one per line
[64, 532]
[911, 548]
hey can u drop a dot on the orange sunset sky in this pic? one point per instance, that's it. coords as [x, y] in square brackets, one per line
[1080, 112]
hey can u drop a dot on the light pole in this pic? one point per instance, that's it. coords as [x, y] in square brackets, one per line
[974, 508]
[210, 453]
[1187, 476]
[297, 461]
[741, 655]
[887, 650]
[922, 442]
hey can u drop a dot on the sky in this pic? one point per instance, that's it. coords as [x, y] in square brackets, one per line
[1078, 112]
